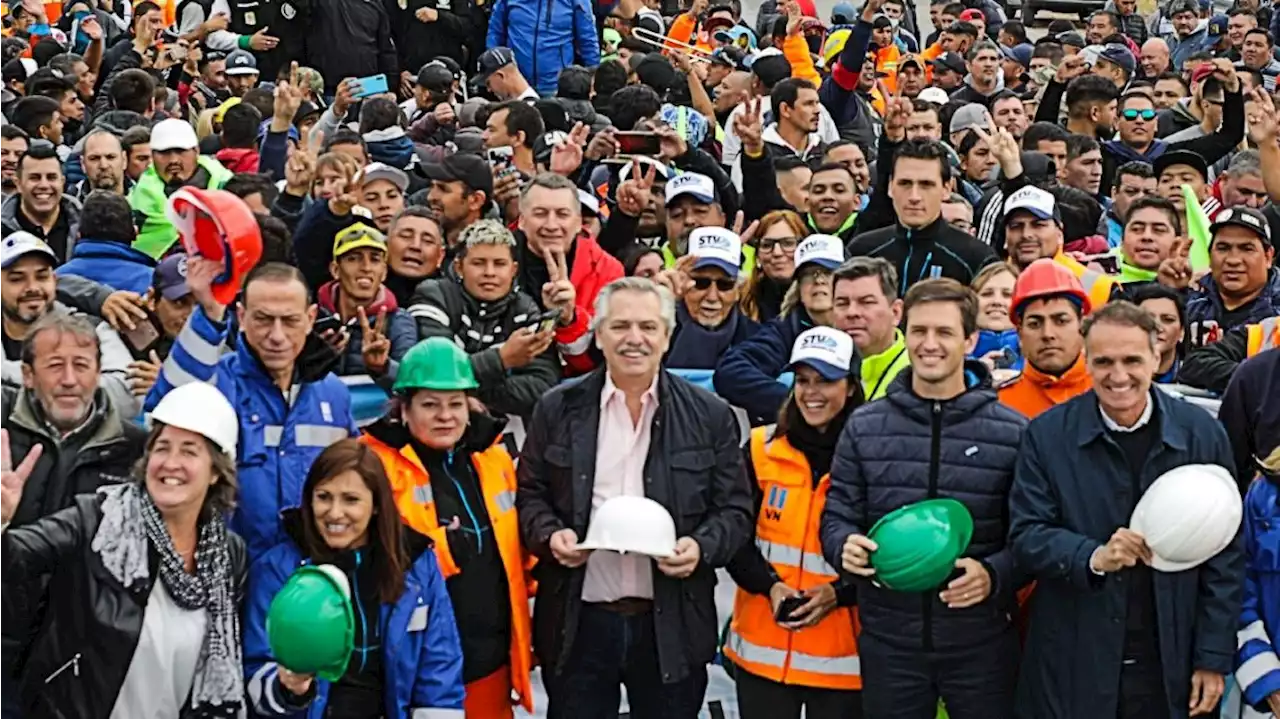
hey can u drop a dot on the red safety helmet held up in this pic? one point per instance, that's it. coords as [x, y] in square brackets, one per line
[219, 226]
[1044, 278]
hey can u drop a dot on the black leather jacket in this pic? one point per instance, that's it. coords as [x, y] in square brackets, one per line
[80, 658]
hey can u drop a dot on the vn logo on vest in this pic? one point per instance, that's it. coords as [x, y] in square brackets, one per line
[777, 501]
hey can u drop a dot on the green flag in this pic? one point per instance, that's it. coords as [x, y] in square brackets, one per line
[1197, 230]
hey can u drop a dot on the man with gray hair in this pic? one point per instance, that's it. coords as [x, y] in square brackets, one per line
[78, 437]
[1242, 183]
[509, 338]
[629, 431]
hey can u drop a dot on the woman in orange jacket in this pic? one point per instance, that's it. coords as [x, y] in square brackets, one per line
[454, 482]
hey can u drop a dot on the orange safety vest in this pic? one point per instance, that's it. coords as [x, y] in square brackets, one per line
[1264, 336]
[412, 489]
[1098, 285]
[826, 654]
[1035, 392]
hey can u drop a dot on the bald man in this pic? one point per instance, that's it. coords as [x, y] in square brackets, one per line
[1155, 58]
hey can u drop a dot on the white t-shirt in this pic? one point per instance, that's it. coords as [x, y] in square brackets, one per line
[164, 664]
[731, 148]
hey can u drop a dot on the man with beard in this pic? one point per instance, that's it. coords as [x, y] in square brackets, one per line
[461, 187]
[103, 161]
[691, 201]
[1033, 231]
[13, 145]
[708, 321]
[27, 290]
[40, 207]
[982, 83]
[175, 162]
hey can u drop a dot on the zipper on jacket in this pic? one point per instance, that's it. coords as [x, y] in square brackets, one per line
[935, 460]
[73, 663]
[364, 620]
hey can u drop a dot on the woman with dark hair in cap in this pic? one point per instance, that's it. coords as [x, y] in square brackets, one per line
[792, 638]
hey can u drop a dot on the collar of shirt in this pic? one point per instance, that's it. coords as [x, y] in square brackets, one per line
[1113, 426]
[611, 390]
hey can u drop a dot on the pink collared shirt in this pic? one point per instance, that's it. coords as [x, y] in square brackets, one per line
[621, 450]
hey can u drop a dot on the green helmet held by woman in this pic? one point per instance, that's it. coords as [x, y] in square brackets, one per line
[437, 364]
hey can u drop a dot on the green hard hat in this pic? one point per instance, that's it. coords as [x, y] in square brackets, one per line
[436, 363]
[918, 545]
[311, 626]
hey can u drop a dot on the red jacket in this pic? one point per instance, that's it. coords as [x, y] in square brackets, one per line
[592, 269]
[238, 159]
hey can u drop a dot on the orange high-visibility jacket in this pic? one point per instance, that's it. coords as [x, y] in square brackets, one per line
[1099, 286]
[1035, 392]
[497, 473]
[1263, 336]
[826, 654]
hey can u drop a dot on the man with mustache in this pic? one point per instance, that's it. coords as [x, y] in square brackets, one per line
[103, 159]
[40, 207]
[28, 287]
[460, 192]
[13, 145]
[175, 162]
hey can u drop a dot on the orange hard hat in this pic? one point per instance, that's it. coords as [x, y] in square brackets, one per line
[219, 226]
[1045, 278]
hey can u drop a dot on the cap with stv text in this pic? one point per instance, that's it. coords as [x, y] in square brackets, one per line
[1245, 217]
[699, 187]
[950, 61]
[170, 277]
[381, 171]
[716, 247]
[241, 62]
[826, 251]
[968, 117]
[828, 351]
[173, 134]
[471, 170]
[493, 60]
[19, 244]
[1032, 199]
[353, 237]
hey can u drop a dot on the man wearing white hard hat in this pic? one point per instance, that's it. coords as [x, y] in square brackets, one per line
[175, 162]
[82, 439]
[1153, 636]
[604, 619]
[708, 321]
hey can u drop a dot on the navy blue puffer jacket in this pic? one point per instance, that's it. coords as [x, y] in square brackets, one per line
[904, 449]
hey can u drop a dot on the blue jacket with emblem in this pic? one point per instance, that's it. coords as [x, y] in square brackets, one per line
[904, 449]
[279, 436]
[747, 375]
[113, 264]
[422, 655]
[1257, 658]
[546, 37]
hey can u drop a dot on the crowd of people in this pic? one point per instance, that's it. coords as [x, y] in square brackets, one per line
[783, 275]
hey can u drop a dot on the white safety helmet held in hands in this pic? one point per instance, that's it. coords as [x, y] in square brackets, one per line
[632, 524]
[1188, 515]
[199, 407]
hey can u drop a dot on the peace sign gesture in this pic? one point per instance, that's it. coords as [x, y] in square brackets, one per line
[566, 157]
[747, 125]
[897, 112]
[375, 347]
[558, 292]
[677, 278]
[1175, 270]
[346, 197]
[12, 480]
[633, 195]
[744, 236]
[1004, 148]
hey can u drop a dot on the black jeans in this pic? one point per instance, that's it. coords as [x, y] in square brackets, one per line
[760, 698]
[612, 649]
[1142, 690]
[975, 683]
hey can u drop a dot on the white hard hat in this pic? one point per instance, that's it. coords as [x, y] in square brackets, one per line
[632, 524]
[1188, 515]
[199, 407]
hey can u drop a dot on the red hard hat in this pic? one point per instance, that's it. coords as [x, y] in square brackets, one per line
[1045, 278]
[219, 226]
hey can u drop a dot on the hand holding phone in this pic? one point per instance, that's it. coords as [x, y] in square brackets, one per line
[370, 86]
[638, 143]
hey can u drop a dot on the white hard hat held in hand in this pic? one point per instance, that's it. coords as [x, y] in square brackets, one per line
[632, 524]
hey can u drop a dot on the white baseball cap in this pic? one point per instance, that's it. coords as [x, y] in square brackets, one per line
[824, 250]
[691, 183]
[1032, 199]
[936, 95]
[828, 351]
[19, 244]
[173, 134]
[716, 247]
[382, 171]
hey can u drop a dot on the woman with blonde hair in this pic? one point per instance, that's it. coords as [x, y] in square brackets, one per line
[998, 345]
[778, 235]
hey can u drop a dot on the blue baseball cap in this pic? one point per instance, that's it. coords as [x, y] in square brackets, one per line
[1020, 53]
[828, 351]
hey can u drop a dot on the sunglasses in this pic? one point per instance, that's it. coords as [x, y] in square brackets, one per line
[1132, 115]
[723, 284]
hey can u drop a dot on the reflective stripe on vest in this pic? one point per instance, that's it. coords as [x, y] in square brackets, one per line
[1264, 336]
[775, 553]
[846, 666]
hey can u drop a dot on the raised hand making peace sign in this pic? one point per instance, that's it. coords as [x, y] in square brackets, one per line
[559, 292]
[375, 347]
[13, 480]
[633, 195]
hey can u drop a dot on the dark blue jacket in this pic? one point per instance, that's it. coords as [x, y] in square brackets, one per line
[1071, 493]
[904, 449]
[696, 347]
[1250, 412]
[1256, 666]
[1205, 309]
[117, 266]
[747, 375]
